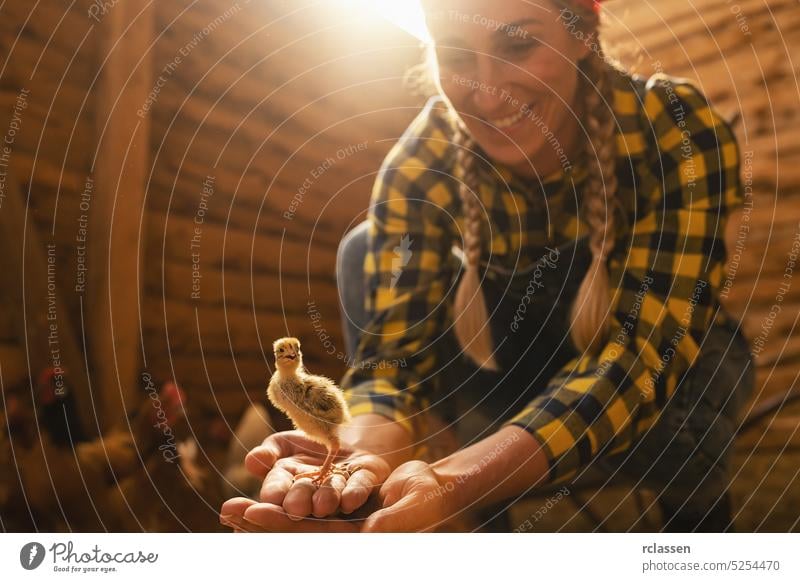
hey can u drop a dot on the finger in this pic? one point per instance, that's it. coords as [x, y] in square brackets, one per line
[241, 525]
[273, 518]
[403, 516]
[325, 500]
[263, 457]
[232, 514]
[391, 491]
[297, 503]
[277, 446]
[358, 489]
[235, 506]
[276, 486]
[280, 479]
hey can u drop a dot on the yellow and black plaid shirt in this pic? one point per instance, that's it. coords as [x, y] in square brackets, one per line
[678, 171]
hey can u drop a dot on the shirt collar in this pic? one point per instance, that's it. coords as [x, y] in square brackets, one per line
[554, 185]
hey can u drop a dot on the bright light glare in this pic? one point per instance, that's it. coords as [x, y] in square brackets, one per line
[407, 14]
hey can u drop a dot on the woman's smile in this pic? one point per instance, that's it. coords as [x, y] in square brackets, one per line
[509, 123]
[505, 81]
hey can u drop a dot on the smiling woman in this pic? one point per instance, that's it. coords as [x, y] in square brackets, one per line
[532, 145]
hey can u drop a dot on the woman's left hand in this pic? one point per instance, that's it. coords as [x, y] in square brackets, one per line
[414, 498]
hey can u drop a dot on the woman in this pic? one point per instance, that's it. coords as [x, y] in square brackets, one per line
[583, 333]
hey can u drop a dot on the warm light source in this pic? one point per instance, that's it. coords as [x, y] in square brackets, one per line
[407, 14]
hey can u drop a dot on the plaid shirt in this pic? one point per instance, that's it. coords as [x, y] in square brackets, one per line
[678, 172]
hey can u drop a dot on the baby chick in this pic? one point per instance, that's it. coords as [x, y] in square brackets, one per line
[314, 404]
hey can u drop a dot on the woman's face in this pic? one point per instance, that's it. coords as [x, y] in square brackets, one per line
[509, 68]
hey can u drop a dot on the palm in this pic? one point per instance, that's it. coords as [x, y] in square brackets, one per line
[284, 455]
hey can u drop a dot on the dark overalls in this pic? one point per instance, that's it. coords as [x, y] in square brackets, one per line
[683, 458]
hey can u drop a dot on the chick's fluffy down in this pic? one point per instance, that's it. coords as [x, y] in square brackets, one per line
[318, 408]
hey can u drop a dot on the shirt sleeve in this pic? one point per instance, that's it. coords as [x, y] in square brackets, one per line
[408, 273]
[665, 285]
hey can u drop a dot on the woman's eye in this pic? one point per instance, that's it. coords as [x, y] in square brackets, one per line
[521, 48]
[454, 58]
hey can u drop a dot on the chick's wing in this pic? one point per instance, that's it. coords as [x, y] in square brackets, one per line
[326, 401]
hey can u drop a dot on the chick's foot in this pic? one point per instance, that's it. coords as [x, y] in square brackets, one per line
[319, 476]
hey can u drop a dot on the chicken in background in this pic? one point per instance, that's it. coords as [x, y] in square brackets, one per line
[84, 487]
[314, 404]
[57, 410]
[166, 496]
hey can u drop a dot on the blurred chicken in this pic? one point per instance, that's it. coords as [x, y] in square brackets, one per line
[165, 496]
[57, 410]
[314, 404]
[67, 486]
[122, 450]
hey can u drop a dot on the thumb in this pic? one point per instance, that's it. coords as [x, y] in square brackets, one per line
[279, 445]
[261, 459]
[406, 515]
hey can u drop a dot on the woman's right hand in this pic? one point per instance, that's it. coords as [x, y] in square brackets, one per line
[285, 454]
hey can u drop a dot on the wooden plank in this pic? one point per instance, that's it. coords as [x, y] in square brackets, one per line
[120, 171]
[240, 250]
[328, 206]
[242, 289]
[13, 371]
[41, 317]
[8, 331]
[222, 329]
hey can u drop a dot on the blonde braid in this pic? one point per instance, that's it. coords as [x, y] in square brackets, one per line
[471, 317]
[589, 314]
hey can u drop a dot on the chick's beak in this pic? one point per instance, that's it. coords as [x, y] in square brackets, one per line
[290, 354]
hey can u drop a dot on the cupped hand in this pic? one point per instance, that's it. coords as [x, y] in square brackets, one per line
[246, 515]
[285, 454]
[413, 499]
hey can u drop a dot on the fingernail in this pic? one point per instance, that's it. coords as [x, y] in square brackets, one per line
[294, 517]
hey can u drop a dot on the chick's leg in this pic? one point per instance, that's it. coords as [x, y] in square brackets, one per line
[328, 468]
[323, 472]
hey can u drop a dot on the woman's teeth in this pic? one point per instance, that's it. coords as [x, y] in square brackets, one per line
[506, 122]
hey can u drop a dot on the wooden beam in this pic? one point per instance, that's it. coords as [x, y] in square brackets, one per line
[32, 268]
[120, 169]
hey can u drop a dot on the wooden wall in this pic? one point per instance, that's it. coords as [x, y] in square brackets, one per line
[247, 100]
[48, 64]
[275, 92]
[265, 141]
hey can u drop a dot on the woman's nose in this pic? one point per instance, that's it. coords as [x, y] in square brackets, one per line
[489, 94]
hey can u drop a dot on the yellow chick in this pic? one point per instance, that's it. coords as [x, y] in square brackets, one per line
[314, 404]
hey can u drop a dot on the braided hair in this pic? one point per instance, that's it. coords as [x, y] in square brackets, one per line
[589, 312]
[471, 322]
